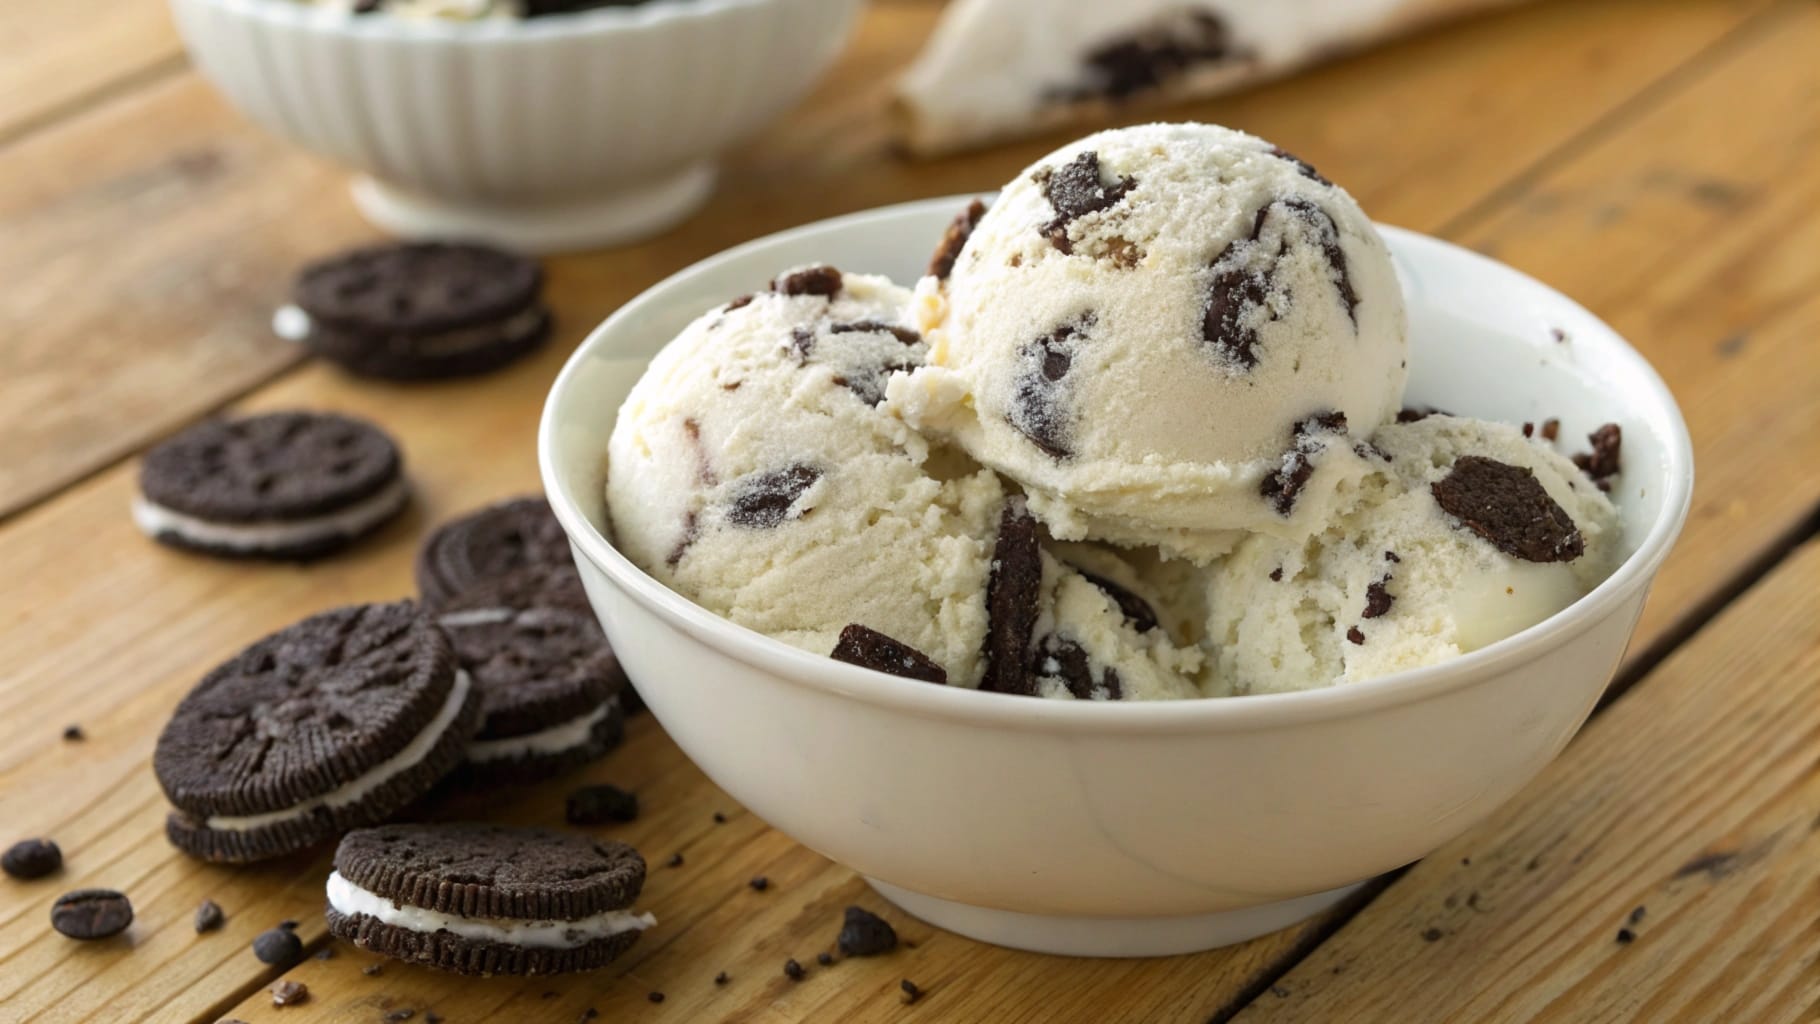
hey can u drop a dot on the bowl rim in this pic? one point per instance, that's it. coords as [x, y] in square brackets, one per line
[597, 21]
[1217, 714]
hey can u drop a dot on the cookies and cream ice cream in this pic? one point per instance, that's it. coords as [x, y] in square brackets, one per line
[1466, 533]
[1171, 334]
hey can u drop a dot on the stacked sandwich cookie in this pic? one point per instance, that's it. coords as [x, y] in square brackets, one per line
[487, 899]
[417, 311]
[334, 723]
[282, 485]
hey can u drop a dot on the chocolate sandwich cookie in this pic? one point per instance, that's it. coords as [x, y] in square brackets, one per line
[418, 310]
[284, 485]
[333, 723]
[549, 690]
[487, 899]
[501, 539]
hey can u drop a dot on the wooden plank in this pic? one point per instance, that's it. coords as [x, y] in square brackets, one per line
[1695, 230]
[222, 214]
[54, 56]
[1696, 797]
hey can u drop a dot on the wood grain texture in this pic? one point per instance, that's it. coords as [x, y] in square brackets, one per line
[118, 337]
[1696, 797]
[56, 56]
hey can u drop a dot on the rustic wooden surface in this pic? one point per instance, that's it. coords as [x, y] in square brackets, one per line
[1657, 159]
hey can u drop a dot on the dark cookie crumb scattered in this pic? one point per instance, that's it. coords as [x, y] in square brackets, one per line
[1626, 936]
[1039, 406]
[209, 917]
[1431, 935]
[1283, 487]
[759, 883]
[824, 958]
[326, 953]
[1011, 603]
[401, 1014]
[1378, 598]
[655, 997]
[820, 280]
[721, 978]
[738, 302]
[1509, 508]
[1529, 429]
[73, 733]
[911, 992]
[1061, 658]
[793, 970]
[675, 861]
[598, 805]
[719, 818]
[373, 970]
[864, 933]
[290, 993]
[954, 239]
[1355, 636]
[432, 1017]
[868, 648]
[1392, 556]
[1636, 916]
[1602, 463]
[588, 1014]
[1276, 575]
[279, 947]
[1240, 285]
[31, 858]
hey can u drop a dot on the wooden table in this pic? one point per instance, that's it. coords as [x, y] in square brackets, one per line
[1657, 159]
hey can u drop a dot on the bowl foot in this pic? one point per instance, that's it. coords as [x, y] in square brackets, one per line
[556, 225]
[1110, 936]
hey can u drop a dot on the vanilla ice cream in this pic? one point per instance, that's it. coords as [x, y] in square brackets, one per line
[1170, 335]
[1466, 533]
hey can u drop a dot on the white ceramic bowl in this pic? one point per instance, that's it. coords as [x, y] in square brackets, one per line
[550, 133]
[1137, 828]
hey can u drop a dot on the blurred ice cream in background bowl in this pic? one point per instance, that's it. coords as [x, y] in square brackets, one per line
[591, 125]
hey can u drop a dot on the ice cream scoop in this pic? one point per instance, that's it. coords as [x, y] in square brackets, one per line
[1168, 334]
[1466, 532]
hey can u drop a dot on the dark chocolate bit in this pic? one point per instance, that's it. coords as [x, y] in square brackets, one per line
[721, 978]
[1232, 295]
[1039, 406]
[1063, 659]
[802, 342]
[691, 532]
[1602, 463]
[73, 733]
[1244, 275]
[738, 302]
[1327, 235]
[793, 970]
[1417, 413]
[1075, 190]
[1509, 508]
[1276, 575]
[758, 883]
[1378, 598]
[1137, 610]
[863, 933]
[1392, 556]
[825, 958]
[675, 861]
[209, 917]
[954, 239]
[1353, 634]
[1529, 429]
[868, 648]
[655, 997]
[290, 993]
[91, 913]
[1626, 936]
[898, 331]
[279, 947]
[1302, 165]
[1283, 487]
[911, 992]
[1011, 602]
[31, 858]
[1153, 56]
[763, 500]
[820, 280]
[598, 805]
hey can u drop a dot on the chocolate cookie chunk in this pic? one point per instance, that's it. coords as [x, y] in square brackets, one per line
[954, 239]
[820, 280]
[549, 690]
[1065, 661]
[486, 899]
[1602, 463]
[1075, 190]
[1153, 56]
[283, 485]
[863, 933]
[1245, 275]
[1509, 508]
[869, 648]
[419, 310]
[484, 545]
[763, 500]
[1011, 602]
[336, 722]
[1307, 441]
[1039, 407]
[1137, 611]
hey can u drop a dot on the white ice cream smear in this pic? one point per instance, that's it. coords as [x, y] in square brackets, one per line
[155, 519]
[355, 790]
[554, 740]
[348, 898]
[291, 323]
